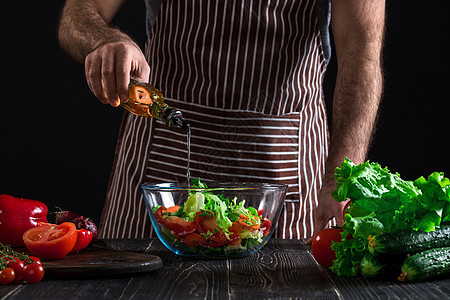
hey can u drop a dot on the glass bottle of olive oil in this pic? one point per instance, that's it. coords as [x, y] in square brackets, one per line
[147, 101]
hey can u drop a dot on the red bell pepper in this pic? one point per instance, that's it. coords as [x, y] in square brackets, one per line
[84, 238]
[17, 215]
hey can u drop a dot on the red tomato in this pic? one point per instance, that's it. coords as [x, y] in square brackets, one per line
[235, 233]
[7, 275]
[321, 246]
[267, 224]
[193, 240]
[33, 273]
[17, 265]
[206, 224]
[173, 209]
[17, 215]
[84, 238]
[33, 259]
[176, 225]
[51, 242]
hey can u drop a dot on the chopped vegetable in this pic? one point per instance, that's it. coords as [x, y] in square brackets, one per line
[51, 241]
[177, 225]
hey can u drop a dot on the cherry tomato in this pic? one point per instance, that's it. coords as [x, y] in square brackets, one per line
[84, 238]
[7, 275]
[321, 246]
[177, 225]
[33, 273]
[17, 265]
[33, 259]
[51, 242]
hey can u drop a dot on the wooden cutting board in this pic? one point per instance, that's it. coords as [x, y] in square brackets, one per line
[97, 262]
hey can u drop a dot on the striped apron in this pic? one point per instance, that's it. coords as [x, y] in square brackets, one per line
[248, 77]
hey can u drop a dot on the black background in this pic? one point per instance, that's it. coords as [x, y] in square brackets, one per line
[57, 140]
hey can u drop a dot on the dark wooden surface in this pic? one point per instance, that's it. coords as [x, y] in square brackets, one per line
[99, 262]
[283, 269]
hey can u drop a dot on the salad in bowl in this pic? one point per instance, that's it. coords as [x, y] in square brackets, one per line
[224, 221]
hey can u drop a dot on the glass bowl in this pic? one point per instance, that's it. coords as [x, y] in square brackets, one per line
[193, 231]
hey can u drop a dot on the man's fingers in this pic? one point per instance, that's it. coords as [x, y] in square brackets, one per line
[109, 67]
[93, 65]
[123, 70]
[109, 78]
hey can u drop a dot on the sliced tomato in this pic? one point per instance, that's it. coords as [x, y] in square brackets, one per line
[177, 225]
[84, 238]
[193, 240]
[51, 241]
[199, 220]
[206, 224]
[267, 224]
[235, 233]
[173, 209]
[252, 223]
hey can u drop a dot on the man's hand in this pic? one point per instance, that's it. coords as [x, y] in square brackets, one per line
[108, 69]
[327, 209]
[110, 56]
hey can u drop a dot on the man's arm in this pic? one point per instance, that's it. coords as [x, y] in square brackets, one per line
[109, 55]
[358, 31]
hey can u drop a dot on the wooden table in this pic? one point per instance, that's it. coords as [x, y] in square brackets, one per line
[283, 269]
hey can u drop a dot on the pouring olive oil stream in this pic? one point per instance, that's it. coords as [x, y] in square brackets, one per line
[146, 101]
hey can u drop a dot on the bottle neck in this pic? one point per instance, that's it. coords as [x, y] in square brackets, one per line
[174, 118]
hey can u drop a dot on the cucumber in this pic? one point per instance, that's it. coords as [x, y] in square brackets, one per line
[380, 267]
[427, 264]
[402, 242]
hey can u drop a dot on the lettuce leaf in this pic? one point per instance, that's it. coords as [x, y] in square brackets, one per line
[194, 203]
[354, 245]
